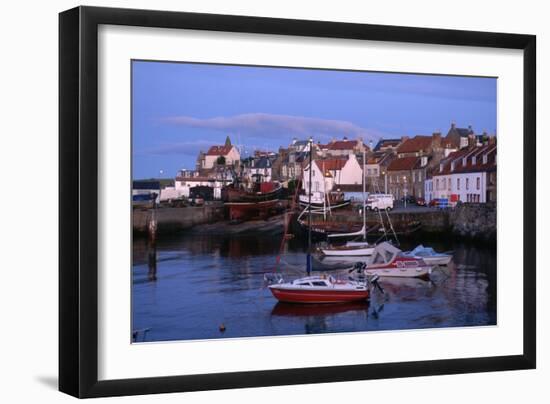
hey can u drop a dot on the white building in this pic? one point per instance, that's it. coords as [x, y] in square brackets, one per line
[258, 169]
[468, 175]
[228, 152]
[428, 190]
[186, 179]
[327, 174]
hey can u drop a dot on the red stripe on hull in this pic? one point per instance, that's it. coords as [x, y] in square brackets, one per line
[318, 296]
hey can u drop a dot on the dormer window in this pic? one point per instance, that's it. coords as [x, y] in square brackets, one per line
[474, 161]
[441, 167]
[464, 161]
[453, 166]
[484, 159]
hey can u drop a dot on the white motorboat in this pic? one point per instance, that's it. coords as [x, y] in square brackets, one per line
[429, 255]
[389, 261]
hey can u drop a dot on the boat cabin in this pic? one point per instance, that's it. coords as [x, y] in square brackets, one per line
[315, 281]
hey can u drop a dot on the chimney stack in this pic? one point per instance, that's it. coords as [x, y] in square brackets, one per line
[471, 141]
[436, 140]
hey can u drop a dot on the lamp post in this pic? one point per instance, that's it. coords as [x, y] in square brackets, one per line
[405, 191]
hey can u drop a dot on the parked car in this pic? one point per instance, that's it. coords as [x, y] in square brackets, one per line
[439, 203]
[409, 199]
[420, 201]
[380, 202]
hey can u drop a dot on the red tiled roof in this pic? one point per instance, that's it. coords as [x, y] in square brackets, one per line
[415, 144]
[405, 163]
[219, 150]
[331, 164]
[343, 144]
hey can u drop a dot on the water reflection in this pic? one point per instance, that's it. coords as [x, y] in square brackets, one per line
[185, 287]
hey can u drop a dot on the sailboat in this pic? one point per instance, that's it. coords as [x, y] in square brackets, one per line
[318, 288]
[353, 248]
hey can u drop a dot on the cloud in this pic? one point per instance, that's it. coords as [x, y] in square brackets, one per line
[179, 148]
[262, 125]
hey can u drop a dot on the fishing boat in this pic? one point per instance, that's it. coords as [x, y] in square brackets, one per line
[389, 261]
[258, 192]
[429, 255]
[259, 201]
[318, 289]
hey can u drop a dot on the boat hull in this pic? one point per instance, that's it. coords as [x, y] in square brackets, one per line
[318, 296]
[337, 205]
[443, 260]
[246, 210]
[348, 252]
[415, 272]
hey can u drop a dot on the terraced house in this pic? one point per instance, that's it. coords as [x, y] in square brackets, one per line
[406, 176]
[468, 175]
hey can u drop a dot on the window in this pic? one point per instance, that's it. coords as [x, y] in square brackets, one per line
[467, 184]
[313, 173]
[477, 183]
[318, 283]
[444, 183]
[437, 184]
[449, 188]
[458, 184]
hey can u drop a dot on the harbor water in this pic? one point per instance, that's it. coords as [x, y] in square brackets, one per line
[190, 287]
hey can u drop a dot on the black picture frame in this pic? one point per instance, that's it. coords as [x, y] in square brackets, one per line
[78, 196]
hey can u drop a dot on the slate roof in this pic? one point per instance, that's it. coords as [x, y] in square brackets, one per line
[469, 153]
[386, 143]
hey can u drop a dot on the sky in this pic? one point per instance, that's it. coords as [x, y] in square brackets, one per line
[179, 109]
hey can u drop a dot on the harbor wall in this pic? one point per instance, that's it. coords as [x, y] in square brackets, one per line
[474, 220]
[470, 221]
[176, 219]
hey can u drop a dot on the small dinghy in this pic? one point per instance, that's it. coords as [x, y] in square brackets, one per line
[429, 255]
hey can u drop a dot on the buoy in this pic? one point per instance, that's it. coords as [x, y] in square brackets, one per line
[222, 327]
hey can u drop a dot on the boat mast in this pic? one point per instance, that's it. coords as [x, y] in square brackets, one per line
[324, 194]
[308, 265]
[364, 198]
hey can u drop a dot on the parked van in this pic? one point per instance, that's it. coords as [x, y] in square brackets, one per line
[380, 202]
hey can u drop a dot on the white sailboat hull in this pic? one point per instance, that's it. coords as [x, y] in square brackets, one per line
[348, 252]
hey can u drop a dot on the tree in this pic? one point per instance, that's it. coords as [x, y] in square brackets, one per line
[220, 161]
